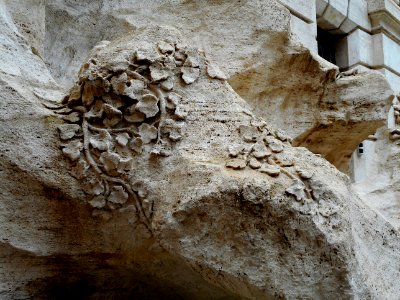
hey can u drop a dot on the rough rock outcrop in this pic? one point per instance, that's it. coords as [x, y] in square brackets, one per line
[316, 110]
[153, 178]
[327, 112]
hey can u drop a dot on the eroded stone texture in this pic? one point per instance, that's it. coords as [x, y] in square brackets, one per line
[327, 112]
[276, 205]
[147, 194]
[265, 72]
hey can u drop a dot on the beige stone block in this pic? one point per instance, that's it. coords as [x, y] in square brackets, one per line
[334, 15]
[394, 79]
[304, 32]
[356, 48]
[386, 52]
[303, 9]
[320, 6]
[357, 17]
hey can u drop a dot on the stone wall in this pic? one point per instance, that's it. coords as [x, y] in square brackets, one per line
[158, 150]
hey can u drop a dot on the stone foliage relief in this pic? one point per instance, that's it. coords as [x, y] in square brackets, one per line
[266, 151]
[116, 114]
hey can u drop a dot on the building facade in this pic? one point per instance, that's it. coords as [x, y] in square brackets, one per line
[354, 34]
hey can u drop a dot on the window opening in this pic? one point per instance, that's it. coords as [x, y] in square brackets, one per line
[360, 149]
[327, 44]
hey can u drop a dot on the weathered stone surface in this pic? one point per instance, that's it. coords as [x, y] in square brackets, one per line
[326, 112]
[156, 205]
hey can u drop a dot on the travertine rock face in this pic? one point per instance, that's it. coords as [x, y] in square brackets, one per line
[351, 108]
[328, 112]
[215, 199]
[316, 109]
[154, 179]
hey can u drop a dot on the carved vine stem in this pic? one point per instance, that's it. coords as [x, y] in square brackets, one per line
[113, 130]
[288, 174]
[92, 163]
[163, 110]
[291, 176]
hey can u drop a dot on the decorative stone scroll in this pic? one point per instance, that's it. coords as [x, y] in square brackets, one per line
[122, 111]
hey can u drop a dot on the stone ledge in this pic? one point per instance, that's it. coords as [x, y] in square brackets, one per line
[304, 10]
[337, 16]
[385, 17]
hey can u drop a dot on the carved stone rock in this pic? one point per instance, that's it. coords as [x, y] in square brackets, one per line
[161, 203]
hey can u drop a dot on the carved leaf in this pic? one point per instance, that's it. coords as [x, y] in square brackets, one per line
[214, 72]
[79, 171]
[270, 170]
[148, 105]
[110, 160]
[73, 150]
[260, 151]
[122, 139]
[158, 72]
[165, 47]
[68, 131]
[102, 141]
[135, 89]
[236, 164]
[96, 111]
[298, 190]
[274, 144]
[118, 83]
[147, 133]
[173, 100]
[136, 145]
[134, 116]
[98, 202]
[118, 195]
[189, 74]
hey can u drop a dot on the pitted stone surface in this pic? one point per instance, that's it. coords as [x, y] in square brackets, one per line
[156, 172]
